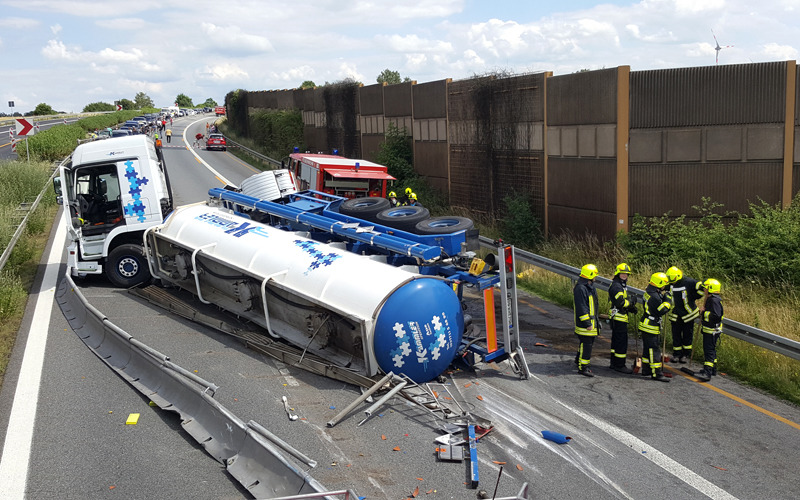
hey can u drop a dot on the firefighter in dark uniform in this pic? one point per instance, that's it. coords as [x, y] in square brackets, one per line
[713, 314]
[656, 305]
[685, 293]
[393, 201]
[406, 195]
[621, 305]
[586, 317]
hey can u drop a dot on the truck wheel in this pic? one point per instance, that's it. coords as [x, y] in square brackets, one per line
[403, 218]
[443, 225]
[364, 208]
[126, 266]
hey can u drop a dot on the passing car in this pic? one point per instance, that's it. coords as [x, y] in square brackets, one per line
[216, 141]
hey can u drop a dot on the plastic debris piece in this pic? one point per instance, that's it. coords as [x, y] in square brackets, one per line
[110, 412]
[429, 492]
[396, 448]
[420, 479]
[467, 384]
[519, 467]
[539, 344]
[479, 397]
[133, 418]
[416, 492]
[498, 462]
[720, 468]
[151, 403]
[334, 464]
[383, 437]
[556, 437]
[332, 407]
[111, 487]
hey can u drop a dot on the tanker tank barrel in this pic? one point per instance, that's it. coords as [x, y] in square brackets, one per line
[378, 239]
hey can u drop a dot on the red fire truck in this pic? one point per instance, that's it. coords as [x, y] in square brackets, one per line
[340, 176]
[219, 110]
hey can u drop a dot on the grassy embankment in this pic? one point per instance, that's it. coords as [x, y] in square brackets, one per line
[21, 182]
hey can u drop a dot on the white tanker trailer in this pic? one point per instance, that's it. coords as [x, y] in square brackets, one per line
[365, 297]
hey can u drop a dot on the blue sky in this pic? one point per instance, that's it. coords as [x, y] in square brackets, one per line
[68, 53]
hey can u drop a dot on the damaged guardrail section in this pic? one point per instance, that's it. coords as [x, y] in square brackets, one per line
[251, 453]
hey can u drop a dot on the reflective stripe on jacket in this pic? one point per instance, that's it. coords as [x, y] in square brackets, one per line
[618, 295]
[685, 293]
[585, 299]
[713, 314]
[655, 307]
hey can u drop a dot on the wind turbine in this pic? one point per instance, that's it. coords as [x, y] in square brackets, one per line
[718, 48]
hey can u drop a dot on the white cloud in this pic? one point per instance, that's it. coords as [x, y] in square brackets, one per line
[56, 49]
[18, 23]
[348, 70]
[298, 74]
[779, 52]
[55, 29]
[85, 8]
[232, 38]
[223, 72]
[413, 43]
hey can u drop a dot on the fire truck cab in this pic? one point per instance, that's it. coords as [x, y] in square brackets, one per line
[339, 176]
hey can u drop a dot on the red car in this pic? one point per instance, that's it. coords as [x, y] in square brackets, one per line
[216, 141]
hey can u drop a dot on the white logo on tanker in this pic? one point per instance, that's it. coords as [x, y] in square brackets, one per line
[235, 228]
[438, 330]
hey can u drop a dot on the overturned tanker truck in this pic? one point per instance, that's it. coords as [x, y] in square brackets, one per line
[318, 271]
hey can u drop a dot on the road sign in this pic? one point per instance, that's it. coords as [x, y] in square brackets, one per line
[119, 107]
[24, 127]
[10, 104]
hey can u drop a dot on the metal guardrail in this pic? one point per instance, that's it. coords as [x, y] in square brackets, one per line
[18, 233]
[255, 154]
[741, 331]
[255, 457]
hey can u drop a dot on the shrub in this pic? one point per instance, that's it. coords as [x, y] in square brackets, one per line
[520, 226]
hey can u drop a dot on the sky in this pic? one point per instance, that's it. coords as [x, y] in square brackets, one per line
[69, 53]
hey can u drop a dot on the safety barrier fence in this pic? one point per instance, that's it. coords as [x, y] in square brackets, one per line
[755, 336]
[254, 154]
[252, 455]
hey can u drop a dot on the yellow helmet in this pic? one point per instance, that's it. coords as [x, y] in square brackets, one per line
[712, 285]
[589, 271]
[659, 280]
[623, 269]
[392, 194]
[408, 191]
[412, 196]
[674, 274]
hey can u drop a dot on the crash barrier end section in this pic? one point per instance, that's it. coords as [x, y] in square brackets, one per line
[265, 472]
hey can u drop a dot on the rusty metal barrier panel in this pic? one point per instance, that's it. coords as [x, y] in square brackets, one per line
[254, 456]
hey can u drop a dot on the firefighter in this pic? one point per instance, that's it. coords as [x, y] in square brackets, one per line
[406, 195]
[621, 306]
[685, 293]
[713, 314]
[412, 200]
[656, 305]
[393, 201]
[586, 320]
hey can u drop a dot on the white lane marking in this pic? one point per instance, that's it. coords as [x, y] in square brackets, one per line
[19, 436]
[219, 175]
[687, 476]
